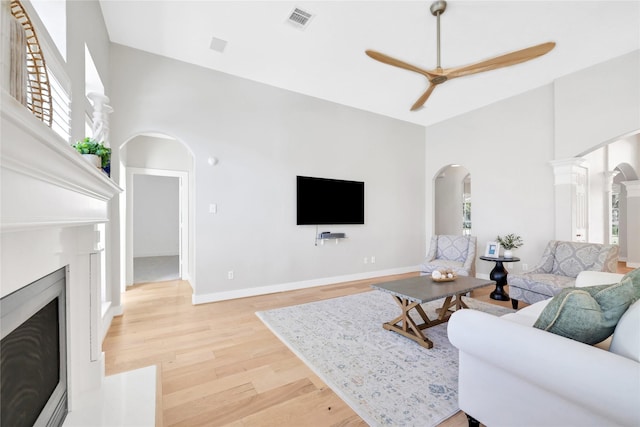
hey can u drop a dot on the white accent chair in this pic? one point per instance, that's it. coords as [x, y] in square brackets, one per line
[457, 253]
[511, 373]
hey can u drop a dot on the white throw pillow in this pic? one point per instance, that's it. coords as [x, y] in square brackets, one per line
[626, 337]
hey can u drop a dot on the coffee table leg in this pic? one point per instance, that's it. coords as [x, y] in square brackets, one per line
[444, 312]
[404, 324]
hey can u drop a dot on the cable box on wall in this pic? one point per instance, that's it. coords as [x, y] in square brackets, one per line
[327, 235]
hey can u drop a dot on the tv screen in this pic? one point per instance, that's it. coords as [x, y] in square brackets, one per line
[329, 201]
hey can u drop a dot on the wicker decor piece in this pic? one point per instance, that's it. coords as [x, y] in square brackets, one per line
[38, 89]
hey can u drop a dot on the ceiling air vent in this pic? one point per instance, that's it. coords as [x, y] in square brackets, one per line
[300, 18]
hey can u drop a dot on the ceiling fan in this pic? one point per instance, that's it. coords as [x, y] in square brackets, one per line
[440, 75]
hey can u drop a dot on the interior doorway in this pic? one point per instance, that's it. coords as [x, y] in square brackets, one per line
[155, 163]
[157, 220]
[156, 228]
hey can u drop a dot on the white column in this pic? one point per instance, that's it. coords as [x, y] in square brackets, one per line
[571, 199]
[633, 223]
[608, 187]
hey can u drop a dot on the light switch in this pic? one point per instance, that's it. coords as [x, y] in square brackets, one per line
[213, 208]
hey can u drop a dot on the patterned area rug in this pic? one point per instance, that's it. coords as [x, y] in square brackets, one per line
[385, 378]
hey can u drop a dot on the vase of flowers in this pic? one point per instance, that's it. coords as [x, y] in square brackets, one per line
[509, 242]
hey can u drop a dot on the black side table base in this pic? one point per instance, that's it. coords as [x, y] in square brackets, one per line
[499, 275]
[499, 295]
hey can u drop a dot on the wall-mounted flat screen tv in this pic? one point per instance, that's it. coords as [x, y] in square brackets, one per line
[329, 201]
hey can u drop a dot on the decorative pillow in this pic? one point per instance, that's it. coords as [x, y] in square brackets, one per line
[588, 314]
[634, 275]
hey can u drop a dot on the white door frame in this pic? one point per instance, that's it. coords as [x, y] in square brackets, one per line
[183, 202]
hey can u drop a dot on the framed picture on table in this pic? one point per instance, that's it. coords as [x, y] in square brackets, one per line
[493, 250]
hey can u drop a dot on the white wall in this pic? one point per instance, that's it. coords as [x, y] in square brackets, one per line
[264, 137]
[597, 105]
[506, 148]
[155, 216]
[157, 153]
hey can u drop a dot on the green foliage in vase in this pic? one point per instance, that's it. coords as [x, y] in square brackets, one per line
[90, 146]
[510, 241]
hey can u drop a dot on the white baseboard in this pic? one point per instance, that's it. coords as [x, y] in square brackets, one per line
[291, 286]
[155, 254]
[633, 264]
[108, 313]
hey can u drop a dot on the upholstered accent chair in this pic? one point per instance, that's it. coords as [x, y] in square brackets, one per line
[455, 252]
[560, 264]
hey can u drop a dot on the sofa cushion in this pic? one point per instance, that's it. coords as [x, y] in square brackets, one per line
[626, 339]
[588, 314]
[541, 283]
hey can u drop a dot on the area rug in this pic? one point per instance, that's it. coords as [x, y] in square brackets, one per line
[384, 377]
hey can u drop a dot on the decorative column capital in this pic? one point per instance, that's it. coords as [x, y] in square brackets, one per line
[564, 170]
[633, 188]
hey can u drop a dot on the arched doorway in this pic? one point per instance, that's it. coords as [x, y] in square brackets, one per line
[452, 201]
[619, 231]
[157, 174]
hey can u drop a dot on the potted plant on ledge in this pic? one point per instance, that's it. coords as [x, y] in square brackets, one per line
[509, 242]
[95, 152]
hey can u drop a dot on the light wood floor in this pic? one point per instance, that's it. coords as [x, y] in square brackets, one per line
[218, 363]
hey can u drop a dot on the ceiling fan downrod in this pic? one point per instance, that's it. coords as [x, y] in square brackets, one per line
[437, 8]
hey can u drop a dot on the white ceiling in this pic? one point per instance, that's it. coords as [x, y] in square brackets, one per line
[327, 60]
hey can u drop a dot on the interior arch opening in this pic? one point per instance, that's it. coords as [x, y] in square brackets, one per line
[156, 171]
[452, 204]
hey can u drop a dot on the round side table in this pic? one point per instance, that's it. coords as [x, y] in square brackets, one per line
[499, 275]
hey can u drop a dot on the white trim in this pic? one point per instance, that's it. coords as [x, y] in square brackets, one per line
[154, 254]
[109, 311]
[291, 286]
[184, 216]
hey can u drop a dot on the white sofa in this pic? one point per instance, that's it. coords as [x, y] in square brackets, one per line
[514, 374]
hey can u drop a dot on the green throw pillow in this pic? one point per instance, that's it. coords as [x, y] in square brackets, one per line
[588, 314]
[634, 275]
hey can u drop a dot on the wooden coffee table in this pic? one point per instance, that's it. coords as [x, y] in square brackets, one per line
[410, 293]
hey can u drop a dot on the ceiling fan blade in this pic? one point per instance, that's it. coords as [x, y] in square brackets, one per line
[420, 102]
[501, 61]
[401, 64]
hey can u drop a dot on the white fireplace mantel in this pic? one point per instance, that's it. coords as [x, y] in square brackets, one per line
[45, 181]
[51, 201]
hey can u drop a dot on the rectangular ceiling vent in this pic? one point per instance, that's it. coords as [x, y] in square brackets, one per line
[300, 18]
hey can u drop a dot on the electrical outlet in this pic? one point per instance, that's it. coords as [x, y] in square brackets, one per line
[525, 267]
[373, 260]
[230, 275]
[366, 261]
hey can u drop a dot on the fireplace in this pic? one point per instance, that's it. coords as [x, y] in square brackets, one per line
[33, 361]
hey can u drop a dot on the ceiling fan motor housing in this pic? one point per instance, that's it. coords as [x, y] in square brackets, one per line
[438, 7]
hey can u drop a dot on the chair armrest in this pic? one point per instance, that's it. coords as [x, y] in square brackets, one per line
[592, 278]
[589, 377]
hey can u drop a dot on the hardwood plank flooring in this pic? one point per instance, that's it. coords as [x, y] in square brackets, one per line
[220, 366]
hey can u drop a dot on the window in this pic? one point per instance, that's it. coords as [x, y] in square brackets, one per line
[48, 88]
[615, 214]
[466, 207]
